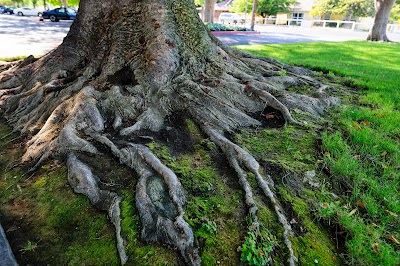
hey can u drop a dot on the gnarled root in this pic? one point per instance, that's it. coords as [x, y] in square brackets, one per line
[83, 181]
[239, 158]
[160, 199]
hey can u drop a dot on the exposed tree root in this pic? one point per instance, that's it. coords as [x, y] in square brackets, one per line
[73, 100]
[83, 181]
[79, 115]
[239, 158]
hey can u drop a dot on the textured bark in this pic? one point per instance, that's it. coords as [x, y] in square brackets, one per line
[123, 68]
[253, 14]
[382, 15]
[64, 3]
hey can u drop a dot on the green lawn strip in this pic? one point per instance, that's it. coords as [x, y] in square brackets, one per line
[14, 58]
[361, 147]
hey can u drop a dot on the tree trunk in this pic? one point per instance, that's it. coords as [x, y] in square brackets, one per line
[120, 71]
[382, 15]
[209, 9]
[64, 3]
[253, 14]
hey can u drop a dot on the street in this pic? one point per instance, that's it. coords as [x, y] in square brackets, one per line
[29, 36]
[270, 34]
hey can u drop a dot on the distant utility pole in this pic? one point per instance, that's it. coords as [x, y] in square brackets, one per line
[253, 14]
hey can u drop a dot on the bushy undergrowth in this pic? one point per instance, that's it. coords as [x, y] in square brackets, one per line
[225, 27]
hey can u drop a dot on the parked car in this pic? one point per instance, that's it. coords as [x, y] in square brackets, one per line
[230, 18]
[26, 11]
[60, 13]
[8, 10]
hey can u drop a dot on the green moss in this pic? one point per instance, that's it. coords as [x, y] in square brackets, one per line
[210, 200]
[153, 255]
[192, 127]
[314, 244]
[290, 147]
[310, 249]
[129, 221]
[64, 226]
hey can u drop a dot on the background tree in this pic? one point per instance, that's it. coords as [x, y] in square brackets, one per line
[395, 14]
[199, 2]
[208, 10]
[118, 76]
[57, 3]
[264, 7]
[383, 9]
[348, 8]
[6, 2]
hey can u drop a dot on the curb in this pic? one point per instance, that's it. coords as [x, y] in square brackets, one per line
[235, 32]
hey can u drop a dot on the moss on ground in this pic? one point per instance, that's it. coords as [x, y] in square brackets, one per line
[291, 147]
[45, 220]
[215, 207]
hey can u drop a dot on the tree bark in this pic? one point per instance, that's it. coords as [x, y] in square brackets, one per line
[208, 11]
[382, 15]
[253, 14]
[121, 70]
[65, 3]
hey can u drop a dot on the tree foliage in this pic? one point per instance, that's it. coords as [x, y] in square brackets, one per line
[38, 3]
[59, 2]
[358, 8]
[395, 14]
[265, 7]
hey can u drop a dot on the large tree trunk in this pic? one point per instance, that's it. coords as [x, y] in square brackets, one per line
[382, 15]
[208, 10]
[121, 70]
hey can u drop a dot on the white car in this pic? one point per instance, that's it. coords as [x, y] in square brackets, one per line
[230, 18]
[27, 11]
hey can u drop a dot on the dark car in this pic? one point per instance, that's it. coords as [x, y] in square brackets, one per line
[8, 10]
[59, 14]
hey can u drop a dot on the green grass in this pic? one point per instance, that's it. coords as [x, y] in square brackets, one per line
[361, 147]
[15, 58]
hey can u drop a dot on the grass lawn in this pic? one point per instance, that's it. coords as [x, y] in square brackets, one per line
[361, 146]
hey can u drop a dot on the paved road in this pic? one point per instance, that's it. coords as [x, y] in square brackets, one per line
[282, 34]
[27, 35]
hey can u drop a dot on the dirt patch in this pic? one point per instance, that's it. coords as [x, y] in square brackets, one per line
[19, 230]
[269, 118]
[112, 174]
[176, 135]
